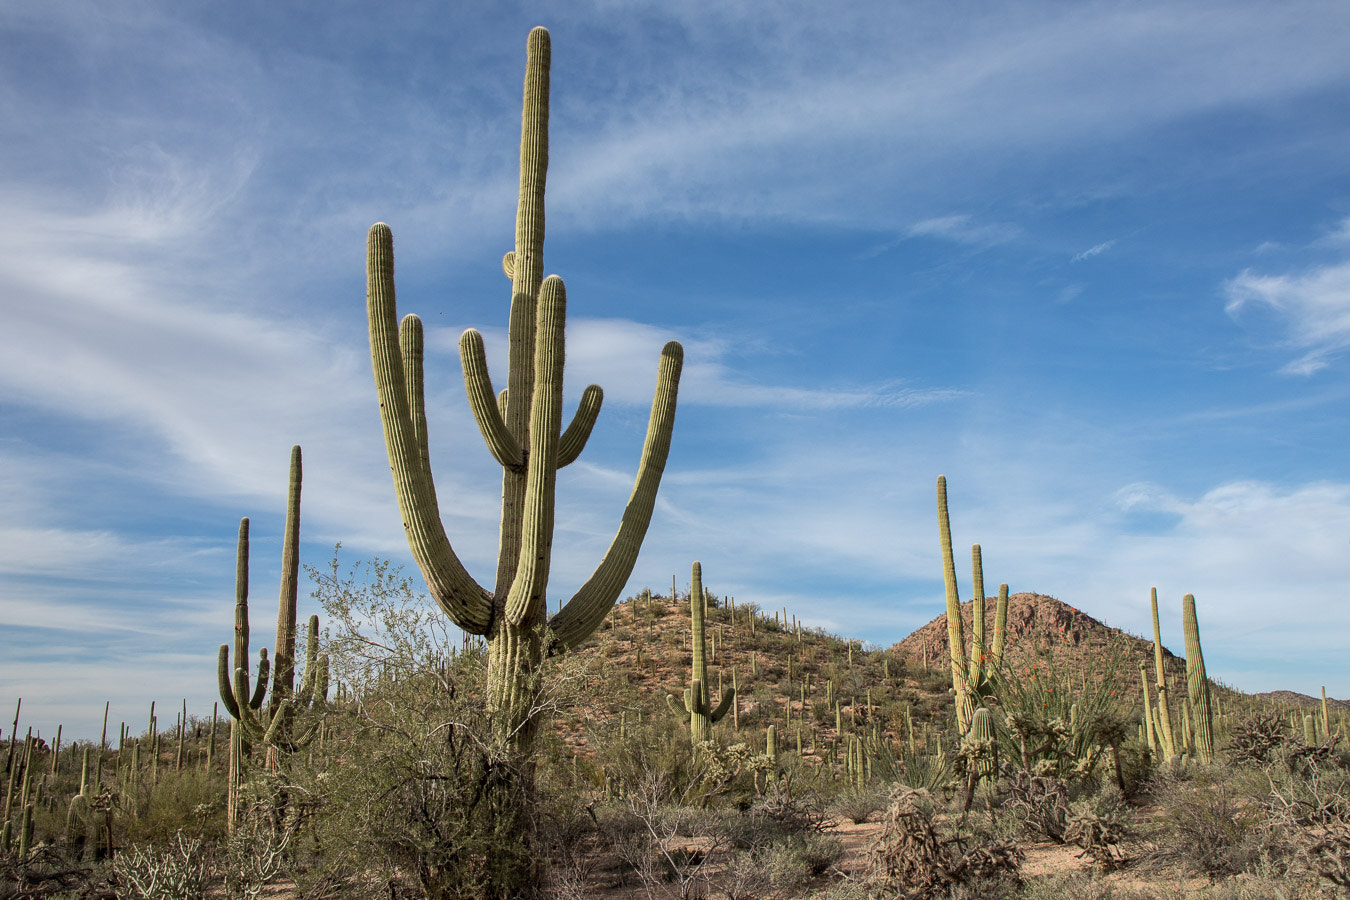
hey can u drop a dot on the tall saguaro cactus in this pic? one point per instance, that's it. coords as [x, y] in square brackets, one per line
[697, 698]
[969, 677]
[1197, 684]
[1166, 738]
[523, 430]
[272, 726]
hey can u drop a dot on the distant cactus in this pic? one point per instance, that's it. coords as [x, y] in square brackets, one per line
[1197, 685]
[273, 726]
[697, 702]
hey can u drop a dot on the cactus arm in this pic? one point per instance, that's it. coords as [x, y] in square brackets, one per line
[727, 697]
[483, 401]
[273, 732]
[587, 609]
[676, 706]
[977, 645]
[224, 679]
[527, 590]
[411, 346]
[574, 439]
[283, 669]
[259, 689]
[248, 717]
[321, 680]
[467, 604]
[241, 598]
[306, 695]
[956, 639]
[1000, 628]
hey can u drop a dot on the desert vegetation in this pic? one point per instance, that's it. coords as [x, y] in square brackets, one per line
[463, 743]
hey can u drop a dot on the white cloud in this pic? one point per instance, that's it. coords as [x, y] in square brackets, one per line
[1338, 236]
[1094, 250]
[621, 356]
[1312, 306]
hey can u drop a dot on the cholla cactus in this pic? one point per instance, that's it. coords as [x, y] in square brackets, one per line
[522, 427]
[697, 702]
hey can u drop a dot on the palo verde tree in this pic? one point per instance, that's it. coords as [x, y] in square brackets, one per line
[522, 427]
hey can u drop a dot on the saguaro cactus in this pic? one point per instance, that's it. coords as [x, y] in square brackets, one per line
[523, 430]
[1167, 739]
[1197, 685]
[272, 726]
[969, 678]
[697, 702]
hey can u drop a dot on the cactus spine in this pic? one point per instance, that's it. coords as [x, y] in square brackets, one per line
[1197, 685]
[522, 428]
[1167, 738]
[697, 702]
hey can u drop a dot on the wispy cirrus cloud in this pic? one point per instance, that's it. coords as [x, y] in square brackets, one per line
[621, 356]
[1094, 250]
[1312, 306]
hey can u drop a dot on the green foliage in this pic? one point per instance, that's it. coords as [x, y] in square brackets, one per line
[191, 802]
[1054, 724]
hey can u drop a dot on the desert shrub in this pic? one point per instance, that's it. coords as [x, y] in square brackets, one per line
[191, 801]
[916, 858]
[1206, 827]
[859, 804]
[925, 768]
[1098, 825]
[425, 788]
[660, 842]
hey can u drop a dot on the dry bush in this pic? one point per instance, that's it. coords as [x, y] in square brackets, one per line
[1255, 739]
[1207, 828]
[915, 859]
[1040, 803]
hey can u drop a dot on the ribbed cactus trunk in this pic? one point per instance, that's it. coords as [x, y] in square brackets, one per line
[1197, 684]
[977, 644]
[956, 638]
[522, 429]
[1148, 711]
[1167, 738]
[1000, 629]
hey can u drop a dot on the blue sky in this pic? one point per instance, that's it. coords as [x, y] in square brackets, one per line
[1091, 261]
